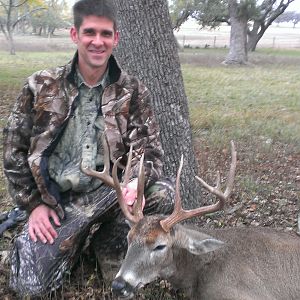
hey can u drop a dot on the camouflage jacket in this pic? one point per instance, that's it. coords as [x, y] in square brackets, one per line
[41, 113]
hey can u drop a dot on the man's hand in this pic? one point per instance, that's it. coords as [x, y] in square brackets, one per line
[130, 193]
[40, 227]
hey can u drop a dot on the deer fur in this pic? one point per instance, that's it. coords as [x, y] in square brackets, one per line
[232, 263]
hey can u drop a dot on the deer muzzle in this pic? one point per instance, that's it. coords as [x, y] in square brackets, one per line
[122, 289]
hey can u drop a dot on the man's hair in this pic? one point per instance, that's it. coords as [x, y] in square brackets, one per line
[99, 8]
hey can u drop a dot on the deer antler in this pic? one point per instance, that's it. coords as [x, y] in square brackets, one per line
[180, 214]
[104, 175]
[137, 213]
[114, 182]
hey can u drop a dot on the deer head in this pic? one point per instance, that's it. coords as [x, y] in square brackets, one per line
[154, 240]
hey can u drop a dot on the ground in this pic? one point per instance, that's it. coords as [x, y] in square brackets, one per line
[270, 200]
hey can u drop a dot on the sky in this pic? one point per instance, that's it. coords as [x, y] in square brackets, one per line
[294, 6]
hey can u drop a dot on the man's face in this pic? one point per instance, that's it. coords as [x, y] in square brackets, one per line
[95, 39]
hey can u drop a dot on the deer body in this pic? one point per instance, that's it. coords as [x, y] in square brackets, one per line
[228, 264]
[233, 263]
[254, 264]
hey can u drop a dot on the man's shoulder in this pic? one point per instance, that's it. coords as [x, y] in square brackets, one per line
[48, 74]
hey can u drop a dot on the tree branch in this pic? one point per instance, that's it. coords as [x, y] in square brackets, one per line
[20, 4]
[4, 31]
[4, 6]
[184, 16]
[25, 15]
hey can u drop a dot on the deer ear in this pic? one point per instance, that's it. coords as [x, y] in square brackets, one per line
[198, 247]
[196, 242]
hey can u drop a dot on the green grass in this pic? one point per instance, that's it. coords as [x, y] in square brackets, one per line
[227, 103]
[235, 103]
[15, 68]
[279, 52]
[265, 51]
[261, 101]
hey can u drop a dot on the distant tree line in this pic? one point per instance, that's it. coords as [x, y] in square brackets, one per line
[40, 17]
[289, 17]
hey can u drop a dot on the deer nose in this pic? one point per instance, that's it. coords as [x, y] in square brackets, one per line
[121, 288]
[118, 284]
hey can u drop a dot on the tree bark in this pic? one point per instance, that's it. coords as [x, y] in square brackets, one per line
[148, 50]
[238, 36]
[254, 36]
[11, 43]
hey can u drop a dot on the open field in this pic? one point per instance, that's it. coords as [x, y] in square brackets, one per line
[283, 36]
[257, 106]
[189, 35]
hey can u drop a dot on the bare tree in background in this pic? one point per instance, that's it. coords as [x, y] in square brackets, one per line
[148, 50]
[10, 19]
[238, 53]
[249, 20]
[269, 12]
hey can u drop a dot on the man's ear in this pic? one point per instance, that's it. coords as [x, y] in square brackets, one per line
[74, 34]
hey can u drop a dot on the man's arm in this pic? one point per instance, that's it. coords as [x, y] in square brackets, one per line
[16, 143]
[143, 134]
[21, 184]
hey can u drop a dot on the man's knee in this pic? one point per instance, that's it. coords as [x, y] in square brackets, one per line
[36, 268]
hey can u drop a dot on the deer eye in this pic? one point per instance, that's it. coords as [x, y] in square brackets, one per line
[159, 247]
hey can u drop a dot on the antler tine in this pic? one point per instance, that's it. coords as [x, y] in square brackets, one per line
[128, 215]
[104, 175]
[138, 206]
[176, 215]
[231, 174]
[229, 186]
[178, 206]
[179, 214]
[128, 166]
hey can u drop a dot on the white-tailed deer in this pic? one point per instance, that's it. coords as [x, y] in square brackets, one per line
[232, 263]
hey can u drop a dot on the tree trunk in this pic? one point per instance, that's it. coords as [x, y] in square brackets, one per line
[252, 42]
[11, 43]
[254, 36]
[148, 50]
[238, 36]
[4, 31]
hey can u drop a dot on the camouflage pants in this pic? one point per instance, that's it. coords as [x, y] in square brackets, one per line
[95, 217]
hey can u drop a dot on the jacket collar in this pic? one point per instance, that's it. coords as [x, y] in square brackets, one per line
[114, 69]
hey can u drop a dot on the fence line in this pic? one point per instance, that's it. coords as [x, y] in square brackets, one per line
[220, 42]
[274, 37]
